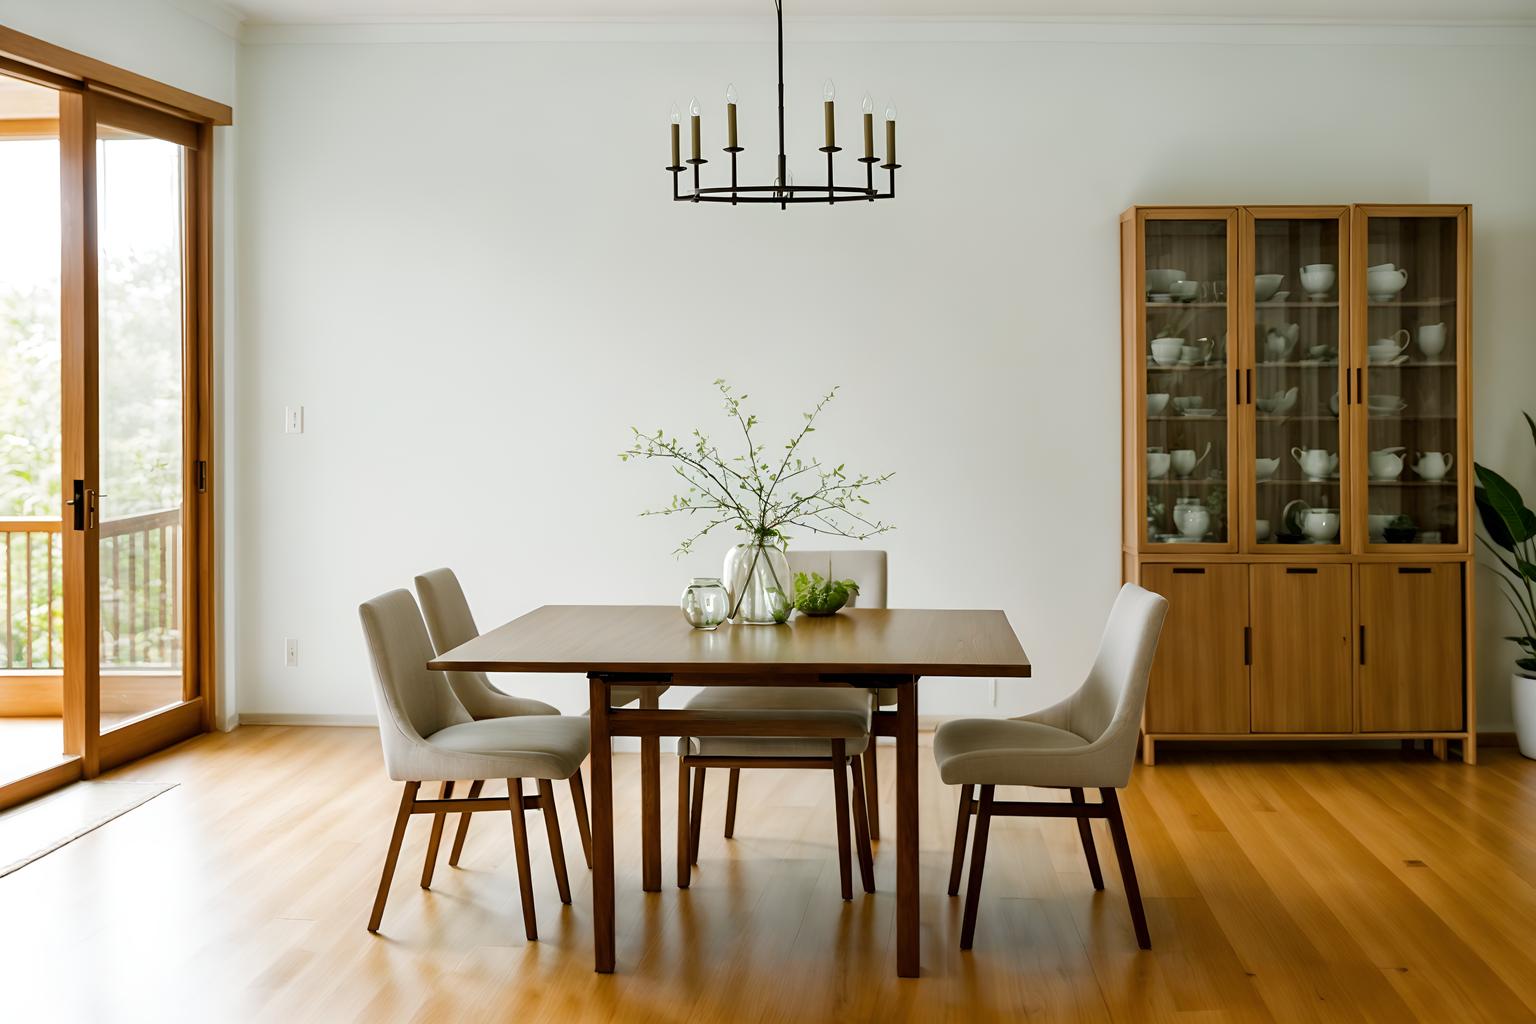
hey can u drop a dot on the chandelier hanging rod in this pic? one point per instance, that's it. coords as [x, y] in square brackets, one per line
[783, 191]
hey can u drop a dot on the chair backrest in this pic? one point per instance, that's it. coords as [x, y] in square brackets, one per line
[866, 568]
[450, 623]
[413, 701]
[1108, 704]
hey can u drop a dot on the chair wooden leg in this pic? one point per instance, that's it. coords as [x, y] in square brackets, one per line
[556, 845]
[579, 799]
[458, 840]
[730, 802]
[840, 797]
[1127, 867]
[696, 818]
[1085, 830]
[978, 862]
[435, 840]
[407, 800]
[684, 834]
[861, 826]
[524, 871]
[872, 789]
[962, 827]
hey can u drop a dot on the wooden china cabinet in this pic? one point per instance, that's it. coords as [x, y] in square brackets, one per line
[1297, 469]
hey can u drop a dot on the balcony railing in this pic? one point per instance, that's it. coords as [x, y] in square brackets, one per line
[141, 599]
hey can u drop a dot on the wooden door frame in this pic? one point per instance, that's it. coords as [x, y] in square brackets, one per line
[88, 88]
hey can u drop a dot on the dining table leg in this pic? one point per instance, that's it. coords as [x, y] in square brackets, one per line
[650, 801]
[908, 956]
[603, 938]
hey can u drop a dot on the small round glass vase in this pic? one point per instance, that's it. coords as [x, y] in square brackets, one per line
[705, 603]
[758, 579]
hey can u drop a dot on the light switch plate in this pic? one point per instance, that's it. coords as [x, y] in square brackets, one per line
[293, 419]
[291, 652]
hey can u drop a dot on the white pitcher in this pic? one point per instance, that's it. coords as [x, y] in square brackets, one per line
[1433, 465]
[1316, 463]
[1432, 339]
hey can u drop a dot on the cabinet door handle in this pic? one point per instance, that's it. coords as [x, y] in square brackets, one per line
[1237, 386]
[1362, 645]
[1413, 570]
[1247, 645]
[1359, 385]
[1349, 388]
[1188, 570]
[1248, 375]
[1296, 570]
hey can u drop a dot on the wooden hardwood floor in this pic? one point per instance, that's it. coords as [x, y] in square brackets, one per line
[1279, 886]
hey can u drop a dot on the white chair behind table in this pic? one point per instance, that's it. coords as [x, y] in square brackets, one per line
[1085, 741]
[428, 736]
[450, 623]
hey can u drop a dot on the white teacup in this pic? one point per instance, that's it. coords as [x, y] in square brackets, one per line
[1385, 405]
[1185, 402]
[1185, 291]
[1157, 465]
[1165, 351]
[1377, 525]
[1157, 404]
[1432, 339]
[1263, 469]
[1261, 528]
[1184, 460]
[1317, 280]
[1384, 350]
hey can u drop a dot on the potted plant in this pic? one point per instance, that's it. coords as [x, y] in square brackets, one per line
[1509, 526]
[761, 494]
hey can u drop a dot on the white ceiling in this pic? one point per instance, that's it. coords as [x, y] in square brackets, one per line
[1382, 11]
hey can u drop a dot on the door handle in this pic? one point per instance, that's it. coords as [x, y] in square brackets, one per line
[1248, 376]
[1296, 570]
[1247, 645]
[76, 501]
[1362, 645]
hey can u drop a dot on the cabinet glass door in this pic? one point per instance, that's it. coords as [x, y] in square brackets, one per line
[1191, 433]
[1295, 397]
[1409, 346]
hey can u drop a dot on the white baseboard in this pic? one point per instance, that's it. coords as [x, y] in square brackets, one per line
[258, 718]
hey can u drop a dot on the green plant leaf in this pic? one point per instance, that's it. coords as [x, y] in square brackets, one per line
[1503, 510]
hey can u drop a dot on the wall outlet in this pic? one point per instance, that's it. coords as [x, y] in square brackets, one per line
[293, 419]
[291, 652]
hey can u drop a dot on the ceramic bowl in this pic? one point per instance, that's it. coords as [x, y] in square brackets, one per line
[1184, 291]
[1265, 286]
[1383, 353]
[1263, 469]
[1157, 404]
[1382, 285]
[1378, 525]
[1157, 465]
[1261, 529]
[1385, 403]
[1162, 280]
[1184, 403]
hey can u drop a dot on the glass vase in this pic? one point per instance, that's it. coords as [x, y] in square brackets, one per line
[705, 603]
[759, 583]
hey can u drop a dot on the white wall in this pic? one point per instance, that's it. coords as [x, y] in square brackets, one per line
[458, 253]
[191, 46]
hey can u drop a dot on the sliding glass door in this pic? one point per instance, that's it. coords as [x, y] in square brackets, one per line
[138, 509]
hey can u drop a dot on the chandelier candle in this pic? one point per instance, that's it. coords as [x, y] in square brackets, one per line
[869, 129]
[693, 111]
[783, 191]
[677, 156]
[730, 117]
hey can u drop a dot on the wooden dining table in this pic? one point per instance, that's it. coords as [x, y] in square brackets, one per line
[652, 646]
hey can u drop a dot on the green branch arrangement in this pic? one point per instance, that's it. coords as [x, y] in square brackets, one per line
[1510, 528]
[758, 492]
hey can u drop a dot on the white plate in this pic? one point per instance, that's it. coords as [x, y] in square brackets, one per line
[1200, 414]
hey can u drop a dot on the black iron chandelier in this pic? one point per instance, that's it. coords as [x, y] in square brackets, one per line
[784, 190]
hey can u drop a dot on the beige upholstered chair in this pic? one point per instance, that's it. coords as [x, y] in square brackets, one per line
[450, 623]
[868, 569]
[1087, 740]
[847, 706]
[429, 737]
